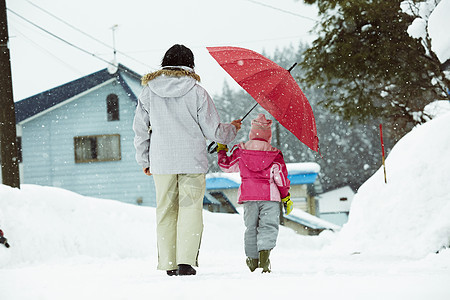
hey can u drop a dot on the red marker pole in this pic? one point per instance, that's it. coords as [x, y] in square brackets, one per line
[382, 152]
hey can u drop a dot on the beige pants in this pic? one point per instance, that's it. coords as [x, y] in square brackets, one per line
[179, 216]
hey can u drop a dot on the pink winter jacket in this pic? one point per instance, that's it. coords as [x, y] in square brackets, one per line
[262, 169]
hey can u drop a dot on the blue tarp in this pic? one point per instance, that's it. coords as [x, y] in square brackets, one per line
[220, 183]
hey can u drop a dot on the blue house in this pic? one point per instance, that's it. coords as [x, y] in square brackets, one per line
[78, 136]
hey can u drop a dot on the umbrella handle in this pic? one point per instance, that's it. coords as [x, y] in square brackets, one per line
[249, 111]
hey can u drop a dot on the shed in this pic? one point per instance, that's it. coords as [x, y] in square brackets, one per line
[335, 205]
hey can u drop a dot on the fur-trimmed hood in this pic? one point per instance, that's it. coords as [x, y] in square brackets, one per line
[171, 72]
[171, 81]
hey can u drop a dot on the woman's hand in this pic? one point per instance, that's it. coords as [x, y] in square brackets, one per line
[147, 171]
[237, 123]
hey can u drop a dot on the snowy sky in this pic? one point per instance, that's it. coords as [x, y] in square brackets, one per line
[146, 29]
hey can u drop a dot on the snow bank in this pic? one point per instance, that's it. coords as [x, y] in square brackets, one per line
[47, 223]
[410, 214]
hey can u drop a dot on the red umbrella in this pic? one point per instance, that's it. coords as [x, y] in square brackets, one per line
[273, 87]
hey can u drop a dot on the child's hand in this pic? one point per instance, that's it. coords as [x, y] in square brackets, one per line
[222, 147]
[288, 204]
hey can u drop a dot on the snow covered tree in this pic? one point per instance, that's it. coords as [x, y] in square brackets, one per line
[369, 67]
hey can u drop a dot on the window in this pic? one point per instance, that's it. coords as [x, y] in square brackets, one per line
[96, 148]
[112, 107]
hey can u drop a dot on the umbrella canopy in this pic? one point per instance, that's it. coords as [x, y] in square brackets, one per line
[273, 87]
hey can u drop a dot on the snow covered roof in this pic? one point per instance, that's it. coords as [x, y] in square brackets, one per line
[303, 168]
[298, 173]
[304, 218]
[42, 102]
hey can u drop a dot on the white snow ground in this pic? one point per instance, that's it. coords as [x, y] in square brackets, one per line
[67, 246]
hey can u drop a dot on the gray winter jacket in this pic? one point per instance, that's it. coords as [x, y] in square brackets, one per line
[182, 115]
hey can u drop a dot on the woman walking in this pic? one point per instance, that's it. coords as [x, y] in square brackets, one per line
[173, 117]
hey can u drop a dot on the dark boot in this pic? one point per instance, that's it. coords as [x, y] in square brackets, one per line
[264, 261]
[186, 270]
[252, 263]
[172, 272]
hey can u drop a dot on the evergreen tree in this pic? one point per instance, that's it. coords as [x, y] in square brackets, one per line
[369, 67]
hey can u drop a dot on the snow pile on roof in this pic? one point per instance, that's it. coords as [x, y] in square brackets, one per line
[409, 214]
[235, 177]
[303, 168]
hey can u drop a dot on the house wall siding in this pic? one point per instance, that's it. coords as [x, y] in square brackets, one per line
[48, 149]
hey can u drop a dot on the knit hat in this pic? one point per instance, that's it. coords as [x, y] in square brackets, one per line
[261, 129]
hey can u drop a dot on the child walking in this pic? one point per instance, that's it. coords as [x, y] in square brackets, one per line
[264, 184]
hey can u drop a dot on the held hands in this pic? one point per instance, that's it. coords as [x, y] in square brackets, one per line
[288, 204]
[222, 147]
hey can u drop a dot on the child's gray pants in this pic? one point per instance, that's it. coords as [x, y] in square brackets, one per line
[261, 219]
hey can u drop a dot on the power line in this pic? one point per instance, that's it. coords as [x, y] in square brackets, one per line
[142, 63]
[282, 10]
[46, 51]
[59, 38]
[222, 43]
[85, 33]
[67, 42]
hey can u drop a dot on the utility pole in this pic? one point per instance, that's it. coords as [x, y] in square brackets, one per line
[8, 144]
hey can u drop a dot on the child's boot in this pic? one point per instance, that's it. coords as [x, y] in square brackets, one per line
[252, 263]
[264, 261]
